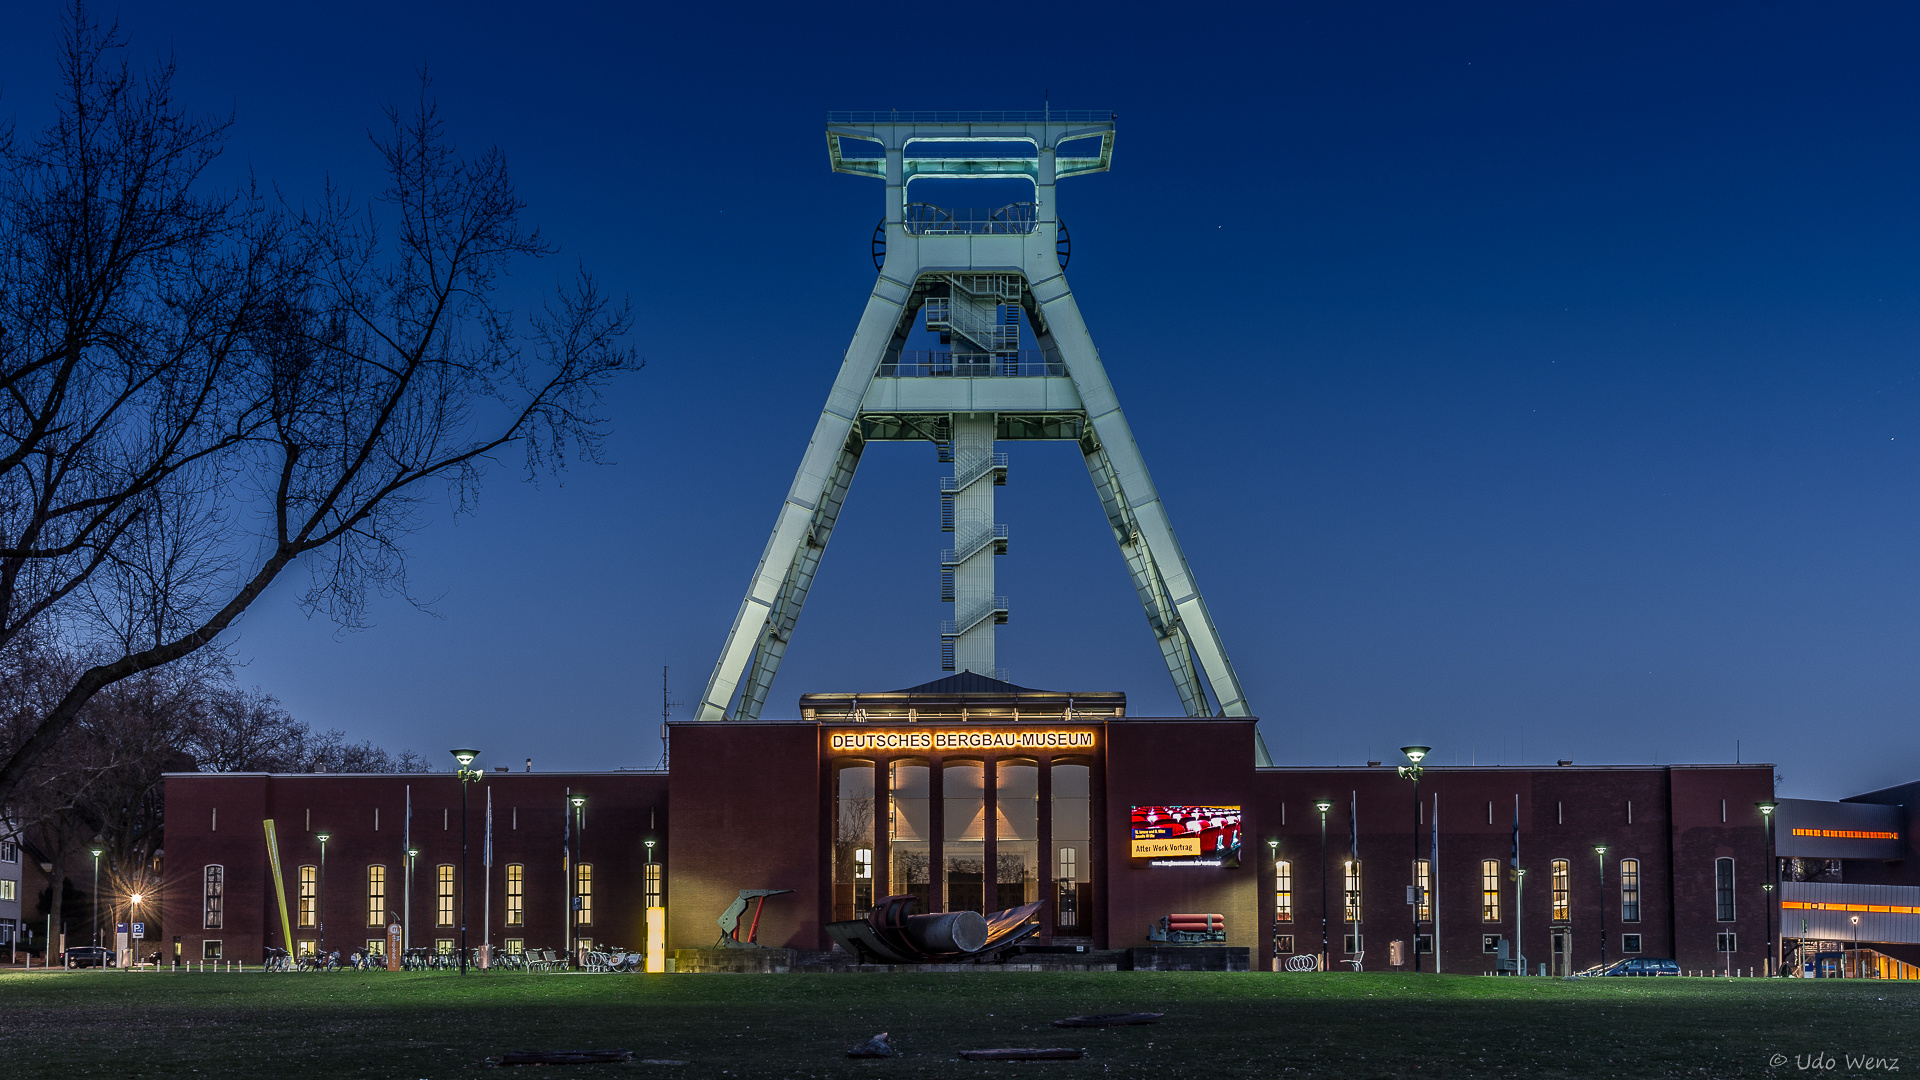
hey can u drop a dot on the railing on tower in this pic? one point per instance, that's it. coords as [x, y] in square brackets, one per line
[942, 364]
[926, 219]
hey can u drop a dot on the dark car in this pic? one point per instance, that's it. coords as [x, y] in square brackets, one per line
[79, 956]
[1639, 965]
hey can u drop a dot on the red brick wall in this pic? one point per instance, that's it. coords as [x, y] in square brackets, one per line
[747, 814]
[1176, 762]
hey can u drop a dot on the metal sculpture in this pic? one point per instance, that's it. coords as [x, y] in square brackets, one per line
[1189, 929]
[985, 280]
[730, 919]
[893, 934]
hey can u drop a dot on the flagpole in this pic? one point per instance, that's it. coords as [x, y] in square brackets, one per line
[1433, 880]
[1353, 853]
[1519, 883]
[486, 906]
[406, 865]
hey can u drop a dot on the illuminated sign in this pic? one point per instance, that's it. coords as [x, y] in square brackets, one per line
[941, 739]
[1884, 909]
[1187, 835]
[1847, 834]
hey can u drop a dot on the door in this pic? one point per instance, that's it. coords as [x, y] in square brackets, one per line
[1562, 951]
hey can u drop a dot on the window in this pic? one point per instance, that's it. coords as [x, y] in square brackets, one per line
[9, 851]
[443, 894]
[303, 947]
[376, 895]
[1723, 891]
[516, 946]
[516, 894]
[1629, 890]
[1423, 890]
[1068, 859]
[1489, 943]
[8, 889]
[1353, 893]
[1355, 945]
[1490, 890]
[376, 946]
[853, 840]
[1424, 942]
[654, 885]
[1283, 892]
[444, 946]
[309, 894]
[1629, 943]
[583, 882]
[1726, 940]
[1283, 944]
[210, 949]
[1562, 891]
[214, 898]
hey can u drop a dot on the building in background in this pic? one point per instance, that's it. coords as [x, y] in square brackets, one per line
[1850, 884]
[971, 793]
[12, 890]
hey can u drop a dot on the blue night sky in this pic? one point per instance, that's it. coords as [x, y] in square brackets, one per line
[1532, 381]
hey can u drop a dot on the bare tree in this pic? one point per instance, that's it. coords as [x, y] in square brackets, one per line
[199, 391]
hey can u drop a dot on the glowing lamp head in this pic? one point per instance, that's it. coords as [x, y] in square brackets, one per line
[464, 757]
[413, 853]
[1854, 919]
[649, 844]
[578, 801]
[1767, 808]
[1323, 806]
[136, 898]
[323, 837]
[1599, 849]
[1416, 753]
[97, 850]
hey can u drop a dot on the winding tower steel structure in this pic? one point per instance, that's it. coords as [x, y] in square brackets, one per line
[981, 279]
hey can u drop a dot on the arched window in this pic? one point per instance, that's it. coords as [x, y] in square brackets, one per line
[214, 897]
[1629, 890]
[1723, 890]
[1016, 833]
[516, 894]
[1562, 891]
[963, 793]
[376, 895]
[853, 839]
[309, 894]
[909, 828]
[583, 882]
[1490, 890]
[1283, 891]
[1072, 858]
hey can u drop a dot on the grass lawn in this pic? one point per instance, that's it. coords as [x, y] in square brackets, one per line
[742, 1026]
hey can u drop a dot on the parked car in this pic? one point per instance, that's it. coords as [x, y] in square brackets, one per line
[79, 956]
[1638, 965]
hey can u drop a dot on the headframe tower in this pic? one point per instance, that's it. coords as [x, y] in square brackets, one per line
[980, 279]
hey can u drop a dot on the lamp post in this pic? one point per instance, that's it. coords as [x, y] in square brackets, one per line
[1323, 806]
[1519, 918]
[574, 904]
[1855, 920]
[320, 907]
[1415, 754]
[1273, 862]
[1600, 850]
[406, 926]
[133, 913]
[466, 774]
[1773, 872]
[97, 851]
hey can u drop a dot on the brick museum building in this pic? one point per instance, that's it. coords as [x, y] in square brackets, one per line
[974, 794]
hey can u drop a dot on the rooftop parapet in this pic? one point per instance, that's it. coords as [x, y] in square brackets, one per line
[1048, 131]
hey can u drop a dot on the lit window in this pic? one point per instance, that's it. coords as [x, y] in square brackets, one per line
[303, 947]
[309, 893]
[1723, 891]
[654, 885]
[1353, 893]
[1562, 891]
[584, 944]
[515, 946]
[1629, 890]
[376, 946]
[583, 876]
[863, 863]
[376, 895]
[1283, 892]
[1283, 944]
[516, 894]
[1068, 857]
[443, 946]
[443, 895]
[1629, 942]
[1423, 890]
[1490, 890]
[7, 890]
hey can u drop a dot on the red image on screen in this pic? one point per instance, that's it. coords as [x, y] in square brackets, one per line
[1217, 827]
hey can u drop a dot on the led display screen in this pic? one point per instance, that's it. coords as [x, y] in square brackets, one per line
[1200, 835]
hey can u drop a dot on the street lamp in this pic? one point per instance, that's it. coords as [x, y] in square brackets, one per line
[466, 774]
[406, 926]
[1600, 850]
[1323, 806]
[320, 907]
[573, 887]
[97, 851]
[1773, 873]
[1415, 754]
[1273, 861]
[1855, 920]
[133, 913]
